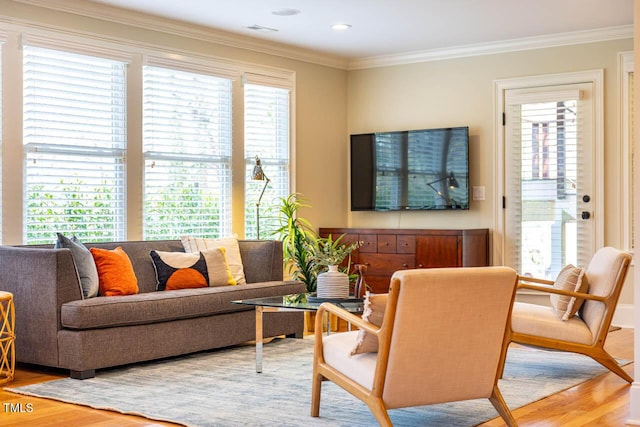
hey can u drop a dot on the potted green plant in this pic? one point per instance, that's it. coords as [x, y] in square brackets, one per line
[329, 253]
[298, 241]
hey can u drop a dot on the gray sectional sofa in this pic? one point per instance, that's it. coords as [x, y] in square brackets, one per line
[56, 327]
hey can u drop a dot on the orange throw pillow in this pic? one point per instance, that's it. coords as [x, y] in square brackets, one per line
[115, 272]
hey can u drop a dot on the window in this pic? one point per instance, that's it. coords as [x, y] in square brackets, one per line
[187, 154]
[115, 142]
[74, 136]
[266, 135]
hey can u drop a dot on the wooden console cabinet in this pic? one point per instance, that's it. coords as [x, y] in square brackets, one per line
[385, 251]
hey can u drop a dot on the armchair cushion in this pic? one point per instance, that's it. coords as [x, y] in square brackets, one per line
[373, 313]
[360, 368]
[570, 279]
[542, 321]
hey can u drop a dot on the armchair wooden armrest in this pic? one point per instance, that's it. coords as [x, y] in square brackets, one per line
[552, 290]
[535, 280]
[344, 315]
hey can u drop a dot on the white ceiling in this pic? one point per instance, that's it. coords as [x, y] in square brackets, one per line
[392, 27]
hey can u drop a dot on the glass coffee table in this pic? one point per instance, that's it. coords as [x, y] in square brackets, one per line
[294, 302]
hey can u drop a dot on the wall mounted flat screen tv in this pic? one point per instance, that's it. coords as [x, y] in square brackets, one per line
[425, 169]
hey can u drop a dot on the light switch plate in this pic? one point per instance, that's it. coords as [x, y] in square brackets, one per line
[478, 193]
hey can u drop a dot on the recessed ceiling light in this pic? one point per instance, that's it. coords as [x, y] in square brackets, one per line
[286, 12]
[340, 27]
[256, 27]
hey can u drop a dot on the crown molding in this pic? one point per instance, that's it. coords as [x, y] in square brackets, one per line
[514, 45]
[178, 28]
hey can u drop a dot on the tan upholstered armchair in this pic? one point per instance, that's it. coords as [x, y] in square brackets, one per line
[586, 331]
[442, 339]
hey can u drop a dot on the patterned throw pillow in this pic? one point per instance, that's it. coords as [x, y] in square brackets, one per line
[85, 265]
[374, 307]
[115, 272]
[571, 279]
[179, 270]
[195, 244]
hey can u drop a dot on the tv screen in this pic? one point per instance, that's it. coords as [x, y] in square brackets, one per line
[424, 169]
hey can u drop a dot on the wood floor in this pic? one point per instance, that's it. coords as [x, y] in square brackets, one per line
[602, 401]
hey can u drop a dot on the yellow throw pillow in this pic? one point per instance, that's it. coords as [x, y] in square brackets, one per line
[374, 307]
[218, 267]
[115, 272]
[234, 260]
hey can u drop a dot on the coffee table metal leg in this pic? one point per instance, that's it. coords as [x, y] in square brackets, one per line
[259, 339]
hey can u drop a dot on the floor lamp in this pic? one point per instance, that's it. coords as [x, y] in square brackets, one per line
[258, 175]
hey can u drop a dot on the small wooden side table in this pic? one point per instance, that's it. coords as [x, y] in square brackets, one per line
[7, 337]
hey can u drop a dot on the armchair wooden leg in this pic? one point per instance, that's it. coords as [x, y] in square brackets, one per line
[316, 389]
[606, 360]
[498, 402]
[379, 411]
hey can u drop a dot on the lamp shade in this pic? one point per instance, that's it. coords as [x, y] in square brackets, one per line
[453, 182]
[258, 173]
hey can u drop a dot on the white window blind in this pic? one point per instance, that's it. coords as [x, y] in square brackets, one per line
[266, 135]
[547, 169]
[187, 154]
[74, 136]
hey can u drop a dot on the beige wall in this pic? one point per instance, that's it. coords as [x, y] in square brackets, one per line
[459, 92]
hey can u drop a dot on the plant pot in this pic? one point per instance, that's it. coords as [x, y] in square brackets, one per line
[333, 284]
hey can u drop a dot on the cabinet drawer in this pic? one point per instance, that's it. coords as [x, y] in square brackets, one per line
[369, 243]
[377, 284]
[406, 244]
[387, 243]
[386, 264]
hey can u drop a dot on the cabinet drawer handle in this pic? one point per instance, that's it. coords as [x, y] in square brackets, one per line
[386, 243]
[420, 266]
[367, 264]
[405, 265]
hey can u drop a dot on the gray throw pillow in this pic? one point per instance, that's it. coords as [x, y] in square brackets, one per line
[85, 265]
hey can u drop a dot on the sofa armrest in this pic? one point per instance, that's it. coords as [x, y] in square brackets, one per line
[41, 280]
[262, 260]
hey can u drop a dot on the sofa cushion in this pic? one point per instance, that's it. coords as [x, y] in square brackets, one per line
[196, 244]
[153, 307]
[177, 270]
[115, 272]
[85, 265]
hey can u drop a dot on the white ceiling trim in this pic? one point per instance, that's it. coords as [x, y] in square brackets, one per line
[155, 23]
[539, 42]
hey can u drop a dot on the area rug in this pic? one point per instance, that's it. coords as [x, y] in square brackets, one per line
[221, 388]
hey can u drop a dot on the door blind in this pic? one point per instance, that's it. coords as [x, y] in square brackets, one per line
[547, 155]
[74, 136]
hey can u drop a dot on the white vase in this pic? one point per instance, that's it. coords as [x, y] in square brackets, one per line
[333, 284]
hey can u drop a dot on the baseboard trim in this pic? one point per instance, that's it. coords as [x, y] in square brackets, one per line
[624, 316]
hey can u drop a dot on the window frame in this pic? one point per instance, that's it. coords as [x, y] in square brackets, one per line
[596, 77]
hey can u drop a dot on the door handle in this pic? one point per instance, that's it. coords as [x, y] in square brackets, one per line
[585, 215]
